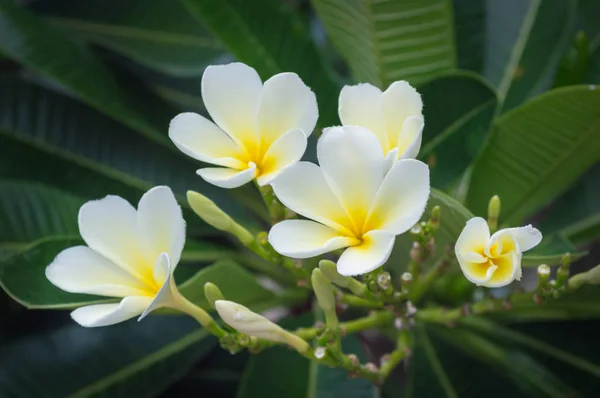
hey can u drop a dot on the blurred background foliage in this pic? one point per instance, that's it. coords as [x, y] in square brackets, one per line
[87, 89]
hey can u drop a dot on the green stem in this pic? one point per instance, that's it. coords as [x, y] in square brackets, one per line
[360, 302]
[424, 284]
[396, 356]
[200, 315]
[373, 320]
[275, 208]
[441, 315]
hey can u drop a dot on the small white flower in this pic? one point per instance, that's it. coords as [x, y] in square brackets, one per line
[260, 129]
[493, 261]
[395, 116]
[351, 199]
[129, 254]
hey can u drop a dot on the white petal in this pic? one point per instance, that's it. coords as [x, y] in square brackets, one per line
[286, 103]
[409, 141]
[353, 164]
[400, 101]
[371, 254]
[168, 295]
[390, 159]
[231, 94]
[79, 269]
[500, 243]
[527, 237]
[109, 227]
[362, 105]
[402, 198]
[302, 188]
[109, 314]
[473, 238]
[304, 239]
[161, 227]
[228, 178]
[201, 139]
[285, 151]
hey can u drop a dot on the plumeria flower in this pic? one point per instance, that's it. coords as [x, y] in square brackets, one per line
[260, 129]
[351, 199]
[130, 254]
[395, 116]
[493, 261]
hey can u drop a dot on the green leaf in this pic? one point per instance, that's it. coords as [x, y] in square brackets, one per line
[469, 29]
[593, 69]
[279, 372]
[574, 63]
[457, 124]
[29, 40]
[22, 276]
[536, 151]
[267, 35]
[550, 252]
[29, 212]
[56, 140]
[160, 34]
[518, 32]
[385, 41]
[129, 359]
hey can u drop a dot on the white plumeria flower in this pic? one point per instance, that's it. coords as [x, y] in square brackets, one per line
[395, 116]
[351, 199]
[130, 254]
[493, 261]
[260, 129]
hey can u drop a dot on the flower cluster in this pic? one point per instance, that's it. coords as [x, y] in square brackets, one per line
[366, 189]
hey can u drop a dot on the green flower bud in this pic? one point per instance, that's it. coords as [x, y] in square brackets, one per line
[325, 297]
[494, 213]
[207, 210]
[212, 293]
[591, 277]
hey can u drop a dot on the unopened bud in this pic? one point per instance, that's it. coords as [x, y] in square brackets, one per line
[543, 272]
[416, 231]
[262, 238]
[434, 220]
[212, 293]
[415, 252]
[494, 213]
[410, 309]
[207, 210]
[324, 292]
[591, 277]
[245, 321]
[371, 367]
[398, 323]
[320, 352]
[353, 359]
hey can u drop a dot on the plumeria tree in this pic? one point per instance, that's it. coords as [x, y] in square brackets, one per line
[384, 207]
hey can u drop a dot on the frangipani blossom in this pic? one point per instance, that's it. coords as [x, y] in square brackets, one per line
[351, 199]
[395, 116]
[260, 129]
[493, 261]
[130, 254]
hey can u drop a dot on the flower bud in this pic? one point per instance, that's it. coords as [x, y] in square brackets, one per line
[493, 213]
[245, 321]
[591, 277]
[212, 293]
[207, 210]
[325, 297]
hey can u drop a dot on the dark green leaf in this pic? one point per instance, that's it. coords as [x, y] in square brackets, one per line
[518, 32]
[61, 142]
[385, 41]
[267, 35]
[456, 125]
[537, 151]
[160, 34]
[29, 40]
[126, 360]
[574, 64]
[469, 30]
[593, 70]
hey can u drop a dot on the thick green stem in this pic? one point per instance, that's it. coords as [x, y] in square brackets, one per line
[359, 302]
[425, 283]
[395, 357]
[200, 315]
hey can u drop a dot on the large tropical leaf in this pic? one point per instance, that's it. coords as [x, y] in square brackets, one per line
[22, 276]
[469, 29]
[126, 360]
[160, 34]
[537, 151]
[58, 141]
[32, 42]
[269, 36]
[459, 110]
[384, 41]
[518, 31]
